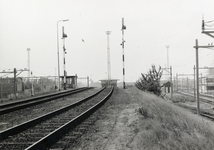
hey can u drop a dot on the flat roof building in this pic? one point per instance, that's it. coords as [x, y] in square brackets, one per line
[106, 82]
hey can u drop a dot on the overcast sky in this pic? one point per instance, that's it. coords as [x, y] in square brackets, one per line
[150, 26]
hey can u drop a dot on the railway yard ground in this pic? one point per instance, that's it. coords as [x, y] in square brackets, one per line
[133, 119]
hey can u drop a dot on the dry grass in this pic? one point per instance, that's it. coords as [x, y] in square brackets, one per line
[169, 127]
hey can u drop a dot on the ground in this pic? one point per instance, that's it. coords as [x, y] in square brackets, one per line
[161, 125]
[117, 124]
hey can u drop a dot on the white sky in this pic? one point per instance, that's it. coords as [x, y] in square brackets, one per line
[151, 25]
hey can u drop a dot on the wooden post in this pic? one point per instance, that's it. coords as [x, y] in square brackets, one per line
[171, 85]
[177, 81]
[194, 83]
[14, 82]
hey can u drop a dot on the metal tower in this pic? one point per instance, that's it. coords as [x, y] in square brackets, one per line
[108, 58]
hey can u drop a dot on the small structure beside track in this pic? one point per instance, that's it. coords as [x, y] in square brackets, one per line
[71, 81]
[111, 82]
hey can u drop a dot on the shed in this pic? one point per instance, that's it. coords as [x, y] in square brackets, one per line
[71, 81]
[167, 87]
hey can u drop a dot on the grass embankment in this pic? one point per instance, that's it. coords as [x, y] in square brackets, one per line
[166, 126]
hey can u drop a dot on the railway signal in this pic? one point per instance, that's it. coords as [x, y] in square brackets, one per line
[123, 58]
[64, 52]
[58, 52]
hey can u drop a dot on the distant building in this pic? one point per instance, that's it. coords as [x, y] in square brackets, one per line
[106, 82]
[7, 86]
[210, 83]
[71, 81]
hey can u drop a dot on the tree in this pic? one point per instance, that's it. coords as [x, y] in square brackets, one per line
[150, 81]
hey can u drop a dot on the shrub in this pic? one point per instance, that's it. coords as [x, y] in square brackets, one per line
[150, 81]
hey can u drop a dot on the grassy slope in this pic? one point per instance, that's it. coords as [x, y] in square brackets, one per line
[163, 125]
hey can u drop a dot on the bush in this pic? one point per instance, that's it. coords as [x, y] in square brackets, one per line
[150, 81]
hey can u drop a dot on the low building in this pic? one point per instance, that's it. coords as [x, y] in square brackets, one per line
[106, 82]
[210, 83]
[7, 86]
[167, 87]
[71, 81]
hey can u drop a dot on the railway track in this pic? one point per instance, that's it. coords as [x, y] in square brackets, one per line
[203, 98]
[43, 131]
[13, 106]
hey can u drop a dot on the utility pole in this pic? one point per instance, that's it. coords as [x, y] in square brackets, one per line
[194, 83]
[1, 88]
[167, 46]
[171, 84]
[87, 81]
[14, 71]
[197, 77]
[123, 58]
[177, 81]
[197, 72]
[108, 58]
[169, 70]
[28, 49]
[32, 88]
[208, 32]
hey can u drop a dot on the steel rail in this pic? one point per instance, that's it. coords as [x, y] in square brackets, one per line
[203, 97]
[51, 138]
[36, 100]
[23, 126]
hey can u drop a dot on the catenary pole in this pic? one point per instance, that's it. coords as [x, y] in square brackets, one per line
[28, 49]
[197, 78]
[171, 84]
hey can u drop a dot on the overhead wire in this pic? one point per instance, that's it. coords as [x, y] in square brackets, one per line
[192, 60]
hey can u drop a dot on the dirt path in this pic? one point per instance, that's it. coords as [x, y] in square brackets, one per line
[117, 125]
[120, 126]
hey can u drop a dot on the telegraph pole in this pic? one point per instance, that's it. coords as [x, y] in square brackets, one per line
[108, 58]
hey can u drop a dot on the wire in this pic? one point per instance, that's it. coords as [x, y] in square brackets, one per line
[209, 21]
[193, 60]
